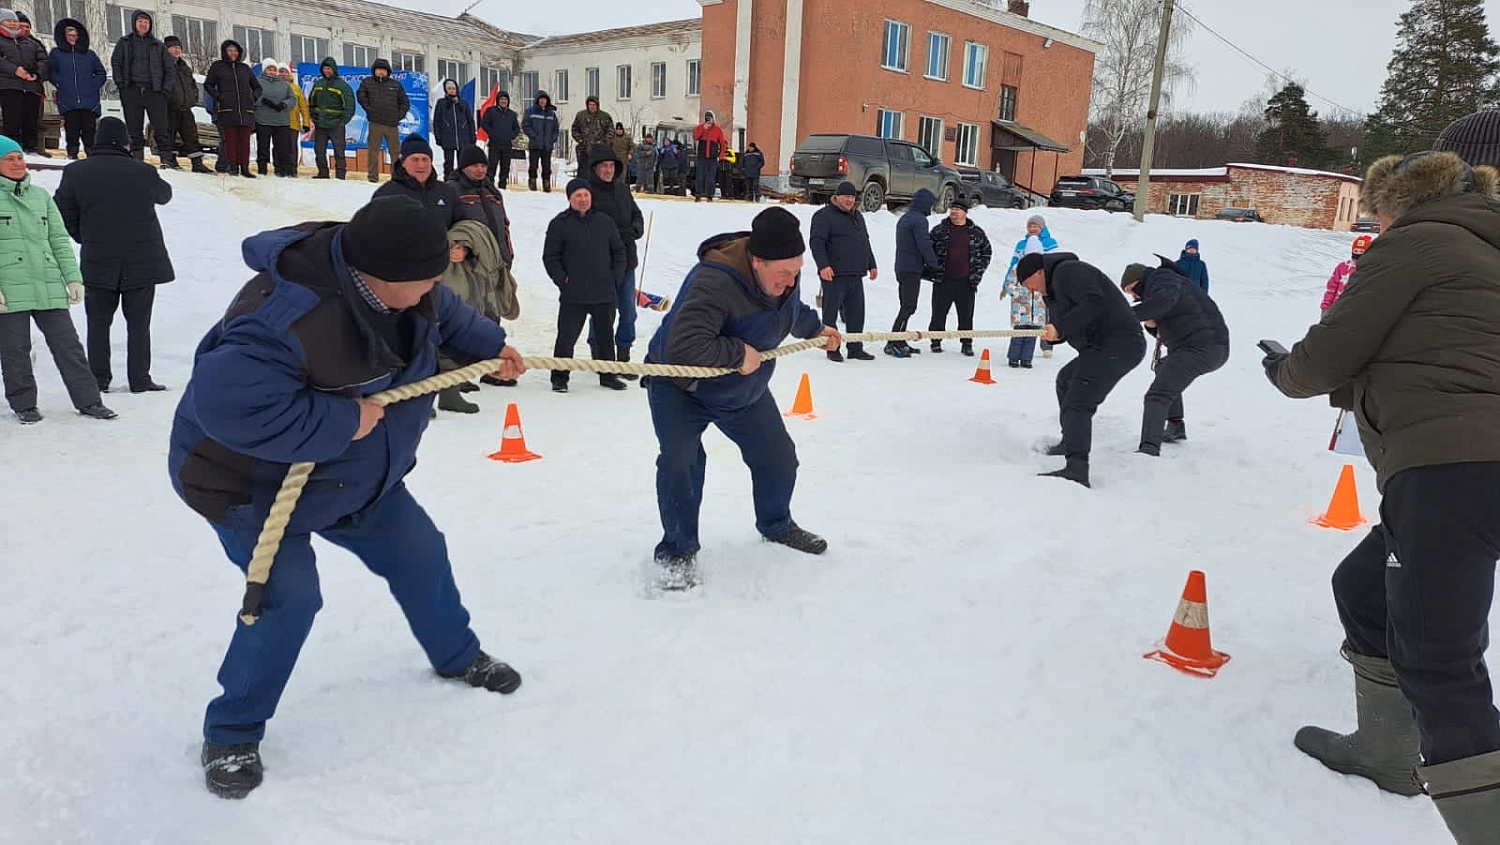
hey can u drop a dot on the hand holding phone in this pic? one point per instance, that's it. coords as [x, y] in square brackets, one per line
[1272, 348]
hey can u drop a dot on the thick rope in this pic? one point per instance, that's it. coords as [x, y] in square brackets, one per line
[269, 542]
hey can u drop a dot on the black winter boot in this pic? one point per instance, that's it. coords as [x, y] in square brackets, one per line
[966, 347]
[170, 163]
[1176, 432]
[1467, 794]
[936, 346]
[231, 771]
[1056, 450]
[1077, 470]
[677, 572]
[531, 184]
[199, 166]
[547, 185]
[622, 353]
[260, 167]
[1384, 745]
[486, 672]
[245, 171]
[611, 381]
[857, 353]
[802, 540]
[451, 399]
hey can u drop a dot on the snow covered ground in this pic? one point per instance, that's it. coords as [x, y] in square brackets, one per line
[963, 665]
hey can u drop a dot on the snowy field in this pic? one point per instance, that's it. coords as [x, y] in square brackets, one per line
[963, 666]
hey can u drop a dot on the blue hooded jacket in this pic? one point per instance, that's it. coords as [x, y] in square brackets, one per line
[274, 383]
[75, 69]
[1193, 266]
[914, 252]
[718, 310]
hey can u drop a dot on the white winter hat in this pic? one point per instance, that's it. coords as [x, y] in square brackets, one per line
[268, 62]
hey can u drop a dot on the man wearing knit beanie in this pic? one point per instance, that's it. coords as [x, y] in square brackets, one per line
[415, 177]
[336, 313]
[1474, 138]
[743, 297]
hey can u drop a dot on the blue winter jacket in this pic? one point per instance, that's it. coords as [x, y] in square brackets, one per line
[540, 124]
[1193, 267]
[75, 70]
[453, 122]
[274, 383]
[719, 309]
[913, 241]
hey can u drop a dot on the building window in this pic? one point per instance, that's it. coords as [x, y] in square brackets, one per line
[975, 56]
[404, 60]
[896, 46]
[930, 135]
[307, 49]
[200, 40]
[359, 55]
[888, 123]
[1008, 96]
[258, 43]
[491, 78]
[1183, 205]
[967, 150]
[622, 82]
[46, 13]
[591, 82]
[531, 82]
[658, 80]
[560, 87]
[938, 46]
[456, 71]
[695, 77]
[117, 18]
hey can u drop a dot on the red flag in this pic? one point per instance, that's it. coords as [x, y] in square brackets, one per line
[484, 107]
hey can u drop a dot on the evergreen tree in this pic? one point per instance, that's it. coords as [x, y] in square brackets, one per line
[1444, 67]
[1293, 136]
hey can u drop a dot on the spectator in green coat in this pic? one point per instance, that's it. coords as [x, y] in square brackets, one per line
[39, 279]
[331, 105]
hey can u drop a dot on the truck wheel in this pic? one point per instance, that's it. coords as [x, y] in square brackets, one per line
[873, 198]
[1114, 205]
[816, 199]
[945, 197]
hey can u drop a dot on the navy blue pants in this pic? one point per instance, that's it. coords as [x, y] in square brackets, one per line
[845, 295]
[1417, 590]
[1083, 385]
[396, 539]
[625, 305]
[705, 178]
[680, 420]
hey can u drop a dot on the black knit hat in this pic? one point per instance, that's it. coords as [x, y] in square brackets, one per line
[1028, 265]
[471, 155]
[171, 41]
[959, 202]
[846, 189]
[112, 133]
[776, 234]
[1133, 273]
[415, 145]
[395, 239]
[578, 183]
[1475, 138]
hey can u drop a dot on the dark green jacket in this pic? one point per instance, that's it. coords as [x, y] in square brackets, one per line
[1413, 345]
[331, 101]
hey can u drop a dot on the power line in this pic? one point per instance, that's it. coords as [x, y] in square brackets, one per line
[1276, 73]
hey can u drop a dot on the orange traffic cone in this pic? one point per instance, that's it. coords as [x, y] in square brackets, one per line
[1343, 511]
[512, 442]
[982, 374]
[1188, 647]
[802, 406]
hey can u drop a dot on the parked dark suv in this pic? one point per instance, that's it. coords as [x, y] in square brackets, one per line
[886, 171]
[1089, 193]
[1240, 215]
[990, 189]
[1366, 224]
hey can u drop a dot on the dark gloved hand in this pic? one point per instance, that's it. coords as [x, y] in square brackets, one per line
[1272, 365]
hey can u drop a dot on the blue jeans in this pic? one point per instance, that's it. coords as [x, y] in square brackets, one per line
[767, 449]
[1021, 348]
[705, 178]
[396, 540]
[625, 316]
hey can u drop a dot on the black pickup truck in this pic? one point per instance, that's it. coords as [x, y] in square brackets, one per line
[886, 171]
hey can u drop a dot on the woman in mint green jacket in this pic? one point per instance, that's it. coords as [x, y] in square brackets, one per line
[39, 279]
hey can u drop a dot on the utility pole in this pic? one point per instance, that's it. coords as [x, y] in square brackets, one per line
[1148, 149]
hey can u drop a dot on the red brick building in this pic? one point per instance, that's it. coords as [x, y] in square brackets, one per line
[976, 85]
[1313, 199]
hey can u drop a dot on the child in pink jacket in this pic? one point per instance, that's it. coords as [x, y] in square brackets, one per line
[1340, 278]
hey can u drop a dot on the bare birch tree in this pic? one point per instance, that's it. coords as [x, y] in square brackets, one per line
[1122, 70]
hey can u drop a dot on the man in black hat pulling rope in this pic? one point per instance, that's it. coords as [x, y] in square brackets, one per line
[337, 312]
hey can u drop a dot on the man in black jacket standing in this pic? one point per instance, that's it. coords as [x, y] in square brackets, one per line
[841, 248]
[181, 97]
[143, 73]
[108, 203]
[584, 256]
[1089, 314]
[414, 176]
[612, 198]
[1188, 323]
[501, 126]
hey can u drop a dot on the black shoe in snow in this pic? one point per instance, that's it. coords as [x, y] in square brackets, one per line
[1152, 449]
[895, 350]
[967, 349]
[836, 356]
[468, 387]
[1056, 450]
[452, 399]
[147, 387]
[559, 387]
[231, 771]
[802, 540]
[1176, 432]
[1025, 365]
[860, 355]
[1077, 471]
[937, 346]
[910, 350]
[30, 416]
[675, 573]
[98, 411]
[1015, 365]
[612, 381]
[486, 672]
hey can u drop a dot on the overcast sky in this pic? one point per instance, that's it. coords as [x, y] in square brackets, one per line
[1340, 47]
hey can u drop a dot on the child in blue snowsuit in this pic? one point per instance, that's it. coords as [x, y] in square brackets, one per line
[1027, 309]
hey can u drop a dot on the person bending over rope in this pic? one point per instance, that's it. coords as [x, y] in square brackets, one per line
[337, 312]
[741, 298]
